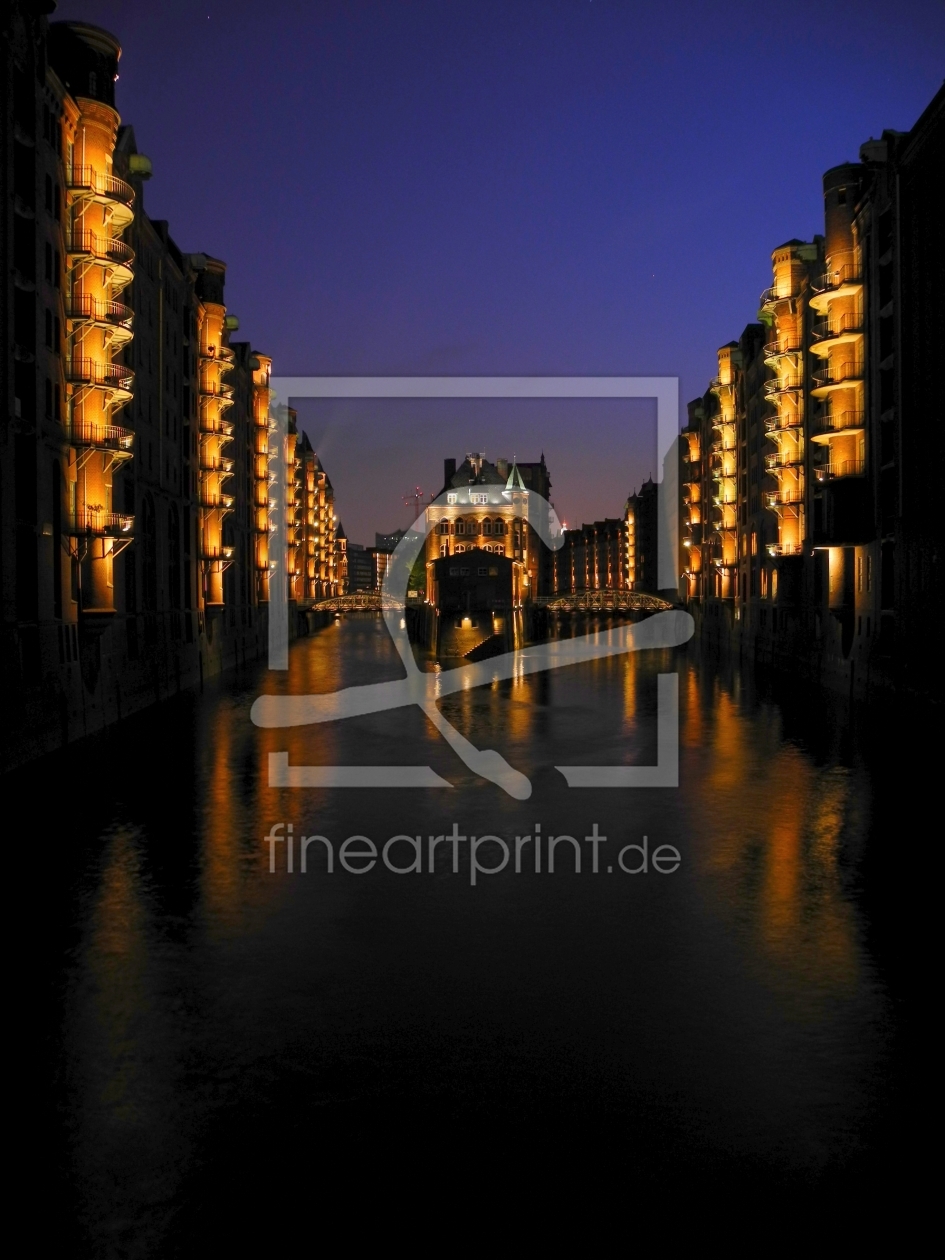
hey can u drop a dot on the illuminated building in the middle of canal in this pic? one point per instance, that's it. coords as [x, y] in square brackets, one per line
[485, 509]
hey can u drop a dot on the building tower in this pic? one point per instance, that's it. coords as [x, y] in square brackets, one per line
[98, 208]
[723, 458]
[216, 397]
[783, 302]
[262, 371]
[837, 336]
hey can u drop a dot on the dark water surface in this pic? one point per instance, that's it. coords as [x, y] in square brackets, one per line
[215, 1029]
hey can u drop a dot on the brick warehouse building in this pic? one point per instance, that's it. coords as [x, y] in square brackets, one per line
[134, 487]
[807, 478]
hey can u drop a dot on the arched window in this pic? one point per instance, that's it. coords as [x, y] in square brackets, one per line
[444, 527]
[460, 527]
[499, 527]
[444, 549]
[487, 527]
[472, 527]
[460, 548]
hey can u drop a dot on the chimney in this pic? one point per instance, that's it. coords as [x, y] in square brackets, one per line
[449, 471]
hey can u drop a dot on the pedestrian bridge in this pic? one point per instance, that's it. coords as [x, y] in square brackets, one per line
[583, 601]
[603, 601]
[360, 601]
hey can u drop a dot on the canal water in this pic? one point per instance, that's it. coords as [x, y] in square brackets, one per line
[218, 1032]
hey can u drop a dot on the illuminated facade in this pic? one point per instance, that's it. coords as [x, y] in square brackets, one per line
[485, 508]
[805, 495]
[640, 530]
[592, 558]
[135, 442]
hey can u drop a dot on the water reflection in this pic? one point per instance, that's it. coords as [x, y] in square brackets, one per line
[733, 1012]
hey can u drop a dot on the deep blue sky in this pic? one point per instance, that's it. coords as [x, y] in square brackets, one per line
[571, 186]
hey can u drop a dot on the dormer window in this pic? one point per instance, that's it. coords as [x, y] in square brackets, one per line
[478, 497]
[451, 498]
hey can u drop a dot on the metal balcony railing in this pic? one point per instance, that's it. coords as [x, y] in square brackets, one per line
[775, 293]
[113, 376]
[84, 306]
[85, 179]
[213, 426]
[106, 437]
[837, 325]
[837, 422]
[216, 464]
[843, 468]
[837, 277]
[789, 549]
[101, 248]
[216, 501]
[785, 498]
[96, 521]
[784, 459]
[776, 349]
[784, 384]
[787, 420]
[218, 389]
[837, 373]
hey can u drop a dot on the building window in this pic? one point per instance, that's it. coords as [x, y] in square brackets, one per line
[487, 527]
[451, 498]
[460, 527]
[499, 527]
[478, 498]
[444, 527]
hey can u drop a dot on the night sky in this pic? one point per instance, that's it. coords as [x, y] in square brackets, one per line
[502, 188]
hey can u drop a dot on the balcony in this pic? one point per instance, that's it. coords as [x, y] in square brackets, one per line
[103, 249]
[783, 459]
[96, 522]
[117, 379]
[842, 281]
[778, 423]
[216, 464]
[216, 390]
[87, 184]
[82, 308]
[838, 277]
[824, 427]
[217, 559]
[843, 468]
[789, 549]
[103, 437]
[85, 179]
[216, 502]
[776, 293]
[785, 498]
[835, 376]
[214, 426]
[838, 326]
[784, 385]
[780, 349]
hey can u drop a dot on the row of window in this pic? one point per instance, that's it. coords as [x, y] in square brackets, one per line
[474, 527]
[498, 549]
